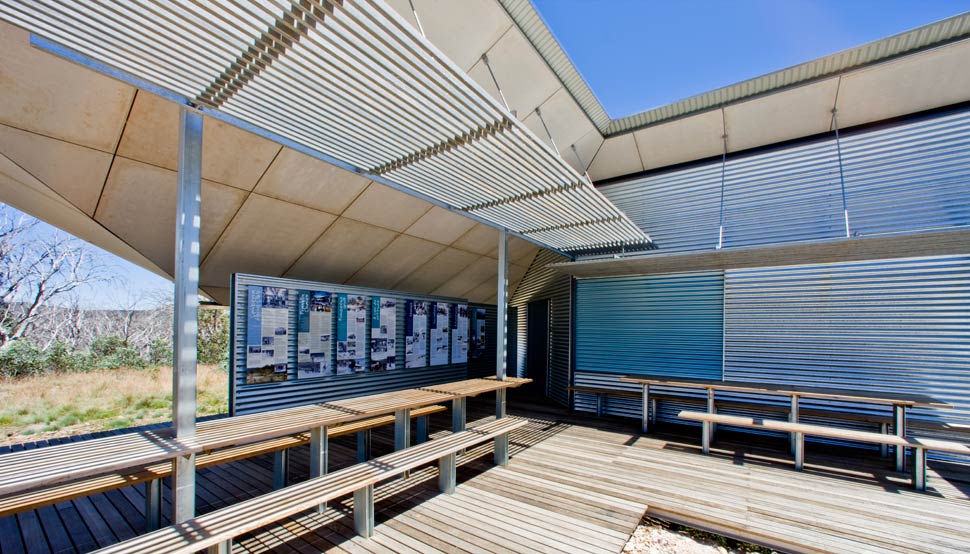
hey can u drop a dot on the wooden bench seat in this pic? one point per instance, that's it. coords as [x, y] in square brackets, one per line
[216, 530]
[38, 498]
[919, 444]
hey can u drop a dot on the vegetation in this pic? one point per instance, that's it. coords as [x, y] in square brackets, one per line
[45, 405]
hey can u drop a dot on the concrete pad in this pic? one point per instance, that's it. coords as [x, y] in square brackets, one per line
[75, 172]
[787, 114]
[265, 238]
[480, 239]
[402, 256]
[690, 138]
[434, 273]
[472, 276]
[441, 225]
[617, 156]
[930, 79]
[229, 155]
[138, 204]
[342, 250]
[385, 207]
[301, 179]
[50, 96]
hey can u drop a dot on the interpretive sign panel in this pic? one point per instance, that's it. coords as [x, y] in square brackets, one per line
[351, 333]
[383, 329]
[478, 333]
[439, 333]
[266, 336]
[314, 326]
[459, 333]
[416, 333]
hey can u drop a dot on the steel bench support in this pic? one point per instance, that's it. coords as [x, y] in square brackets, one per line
[645, 418]
[502, 441]
[919, 469]
[884, 448]
[447, 473]
[364, 511]
[793, 418]
[458, 414]
[281, 468]
[363, 445]
[402, 432]
[899, 426]
[423, 424]
[799, 451]
[224, 547]
[319, 456]
[153, 505]
[707, 428]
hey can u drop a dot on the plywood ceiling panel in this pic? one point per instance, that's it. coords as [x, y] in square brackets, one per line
[930, 79]
[785, 115]
[300, 179]
[138, 204]
[566, 121]
[75, 172]
[462, 30]
[690, 138]
[475, 274]
[50, 96]
[402, 256]
[437, 271]
[440, 225]
[266, 237]
[385, 207]
[342, 250]
[525, 78]
[480, 239]
[617, 156]
[229, 155]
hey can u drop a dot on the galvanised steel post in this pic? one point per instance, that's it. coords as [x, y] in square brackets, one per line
[502, 323]
[185, 351]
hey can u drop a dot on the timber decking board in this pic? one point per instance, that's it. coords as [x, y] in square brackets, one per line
[576, 484]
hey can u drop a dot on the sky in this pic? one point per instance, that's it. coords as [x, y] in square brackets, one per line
[640, 54]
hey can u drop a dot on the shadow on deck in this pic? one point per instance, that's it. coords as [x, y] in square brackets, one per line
[576, 484]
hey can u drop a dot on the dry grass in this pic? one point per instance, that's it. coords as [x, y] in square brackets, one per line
[63, 404]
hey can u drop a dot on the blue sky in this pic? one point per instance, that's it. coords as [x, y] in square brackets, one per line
[641, 54]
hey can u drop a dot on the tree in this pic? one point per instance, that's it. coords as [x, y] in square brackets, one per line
[36, 270]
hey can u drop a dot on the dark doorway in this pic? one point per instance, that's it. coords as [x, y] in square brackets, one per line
[537, 345]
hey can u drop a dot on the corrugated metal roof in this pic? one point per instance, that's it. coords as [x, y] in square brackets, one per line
[921, 38]
[351, 82]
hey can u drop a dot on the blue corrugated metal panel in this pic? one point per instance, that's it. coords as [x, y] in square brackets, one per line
[295, 392]
[892, 325]
[659, 324]
[907, 177]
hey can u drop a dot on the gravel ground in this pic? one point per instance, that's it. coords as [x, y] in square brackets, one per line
[654, 536]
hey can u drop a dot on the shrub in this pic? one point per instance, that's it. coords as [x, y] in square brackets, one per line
[22, 358]
[160, 352]
[64, 357]
[214, 336]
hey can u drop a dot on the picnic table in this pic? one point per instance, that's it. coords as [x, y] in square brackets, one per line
[42, 467]
[899, 401]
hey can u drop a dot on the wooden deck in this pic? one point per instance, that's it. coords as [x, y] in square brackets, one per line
[576, 484]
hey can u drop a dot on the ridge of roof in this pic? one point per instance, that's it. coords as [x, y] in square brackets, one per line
[530, 22]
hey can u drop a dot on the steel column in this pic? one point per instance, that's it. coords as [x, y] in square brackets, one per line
[281, 468]
[501, 441]
[186, 307]
[319, 455]
[364, 511]
[153, 504]
[899, 428]
[502, 306]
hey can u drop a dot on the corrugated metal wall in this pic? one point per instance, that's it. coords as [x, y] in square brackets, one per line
[245, 398]
[909, 176]
[894, 325]
[541, 282]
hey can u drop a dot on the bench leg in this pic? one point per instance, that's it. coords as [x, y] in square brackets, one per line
[364, 511]
[707, 430]
[402, 432]
[799, 451]
[458, 414]
[653, 411]
[423, 423]
[884, 448]
[793, 418]
[153, 505]
[224, 547]
[919, 469]
[183, 488]
[645, 417]
[447, 473]
[281, 468]
[363, 445]
[899, 426]
[319, 456]
[502, 441]
[599, 404]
